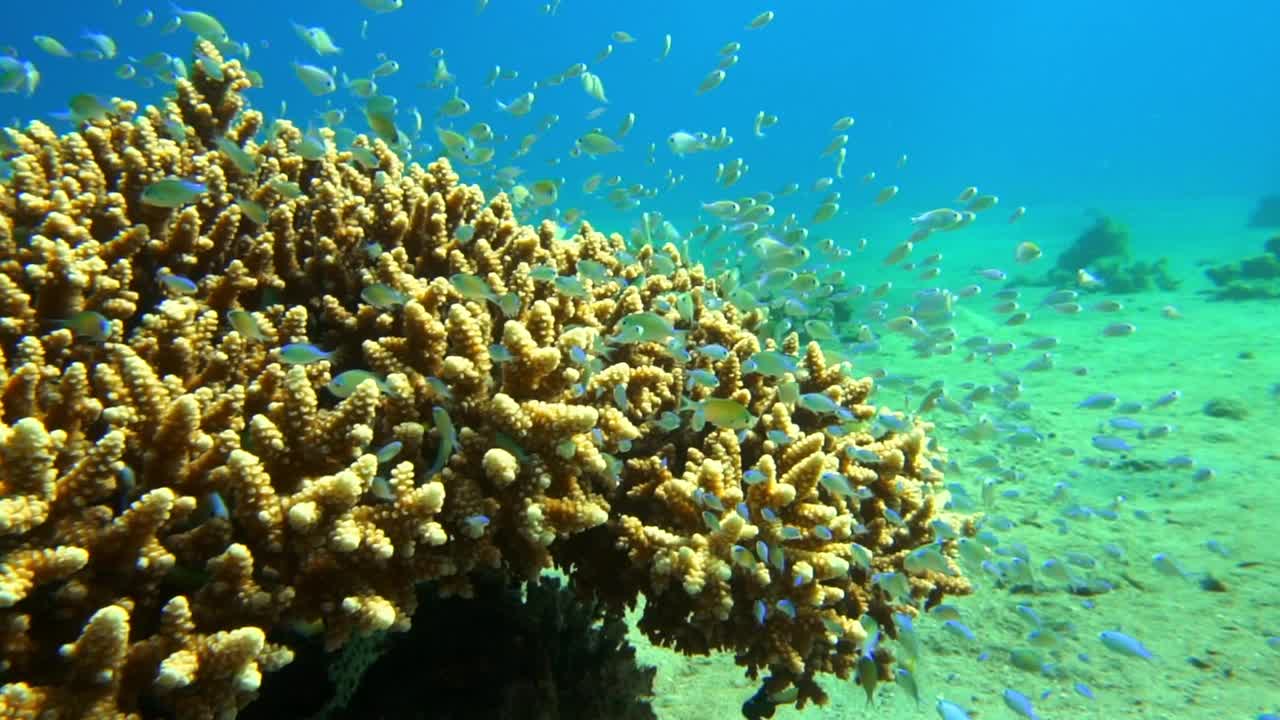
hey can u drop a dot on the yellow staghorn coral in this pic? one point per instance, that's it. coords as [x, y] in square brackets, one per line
[181, 483]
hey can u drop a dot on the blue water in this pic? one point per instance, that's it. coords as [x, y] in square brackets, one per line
[1162, 114]
[1071, 103]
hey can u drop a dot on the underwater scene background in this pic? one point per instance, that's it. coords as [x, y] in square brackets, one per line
[1051, 230]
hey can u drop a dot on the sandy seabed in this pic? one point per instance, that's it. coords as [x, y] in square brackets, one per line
[1212, 658]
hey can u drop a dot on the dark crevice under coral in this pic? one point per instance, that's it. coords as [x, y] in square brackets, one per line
[498, 656]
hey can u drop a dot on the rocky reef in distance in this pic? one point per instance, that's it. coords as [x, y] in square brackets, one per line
[1252, 278]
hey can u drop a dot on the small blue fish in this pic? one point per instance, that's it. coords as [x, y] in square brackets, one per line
[1167, 399]
[172, 192]
[84, 107]
[824, 404]
[894, 584]
[543, 273]
[778, 559]
[926, 558]
[1099, 401]
[500, 353]
[215, 506]
[950, 711]
[770, 362]
[570, 285]
[126, 484]
[894, 422]
[837, 430]
[1020, 704]
[288, 189]
[959, 629]
[383, 297]
[1054, 569]
[762, 551]
[476, 524]
[1117, 641]
[867, 672]
[704, 378]
[786, 607]
[448, 438]
[1083, 690]
[388, 452]
[345, 383]
[761, 611]
[243, 161]
[944, 612]
[593, 271]
[904, 678]
[1110, 443]
[863, 455]
[1030, 614]
[366, 159]
[1125, 423]
[303, 354]
[1044, 343]
[439, 387]
[88, 324]
[838, 484]
[176, 283]
[316, 79]
[1081, 560]
[381, 489]
[713, 351]
[907, 638]
[1165, 565]
[176, 130]
[245, 324]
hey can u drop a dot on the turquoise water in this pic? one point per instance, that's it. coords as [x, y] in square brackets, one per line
[1161, 116]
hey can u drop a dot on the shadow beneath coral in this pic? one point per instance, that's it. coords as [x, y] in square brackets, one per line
[498, 656]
